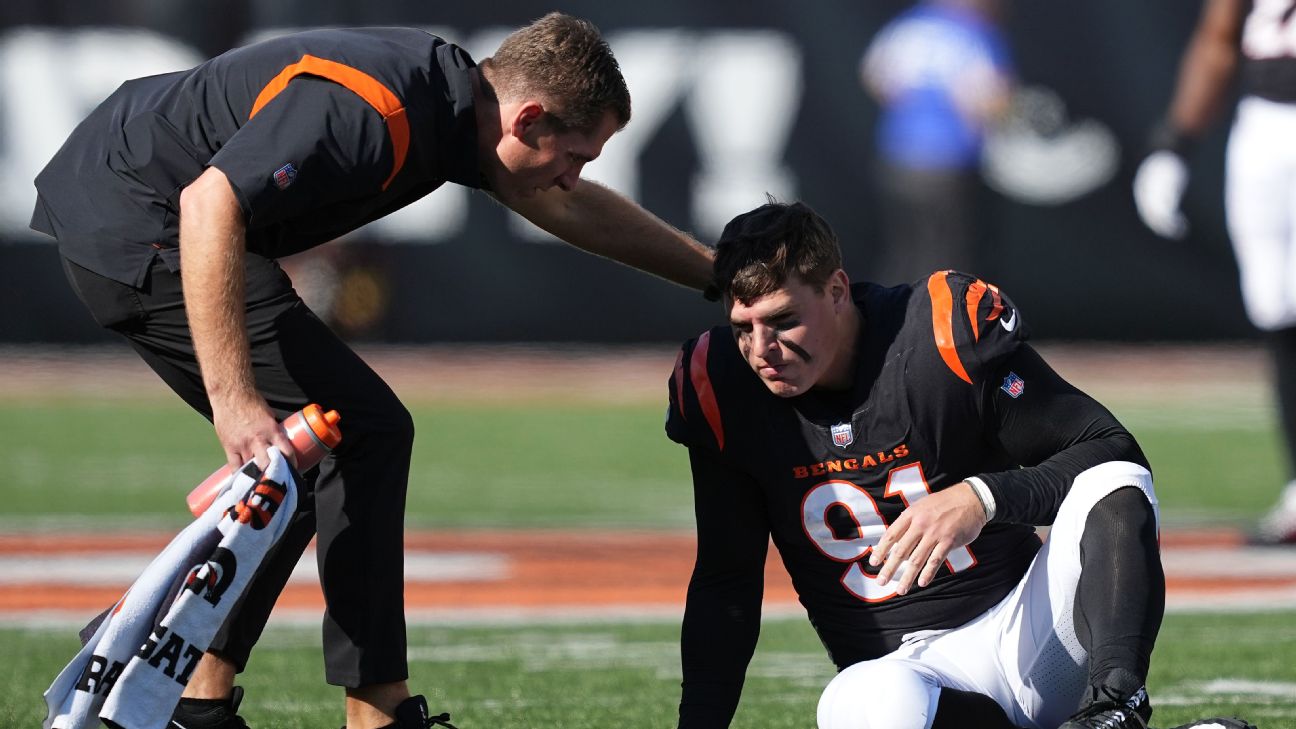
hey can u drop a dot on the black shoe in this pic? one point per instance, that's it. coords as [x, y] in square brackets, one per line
[1108, 710]
[412, 713]
[1218, 723]
[209, 713]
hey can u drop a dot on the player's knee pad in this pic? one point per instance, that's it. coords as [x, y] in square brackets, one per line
[1127, 506]
[878, 695]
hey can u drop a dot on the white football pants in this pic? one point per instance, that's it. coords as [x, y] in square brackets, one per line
[1023, 652]
[1260, 202]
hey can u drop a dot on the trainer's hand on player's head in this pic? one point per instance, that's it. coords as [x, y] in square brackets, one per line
[246, 429]
[1158, 190]
[917, 543]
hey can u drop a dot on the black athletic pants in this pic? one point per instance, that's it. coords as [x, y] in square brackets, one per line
[355, 499]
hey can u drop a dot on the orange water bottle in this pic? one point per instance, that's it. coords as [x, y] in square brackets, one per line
[313, 433]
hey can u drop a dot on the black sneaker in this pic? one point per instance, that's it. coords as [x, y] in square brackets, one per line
[209, 713]
[1108, 711]
[1218, 723]
[412, 713]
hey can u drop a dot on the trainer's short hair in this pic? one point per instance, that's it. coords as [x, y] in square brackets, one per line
[567, 63]
[761, 249]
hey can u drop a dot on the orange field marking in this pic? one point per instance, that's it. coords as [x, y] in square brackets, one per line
[577, 570]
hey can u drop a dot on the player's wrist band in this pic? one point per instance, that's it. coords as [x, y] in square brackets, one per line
[983, 495]
[1165, 136]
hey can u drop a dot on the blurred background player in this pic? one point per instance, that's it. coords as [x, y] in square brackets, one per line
[941, 74]
[1259, 40]
[211, 174]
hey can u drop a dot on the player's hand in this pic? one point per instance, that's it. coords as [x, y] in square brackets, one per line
[924, 535]
[1158, 189]
[248, 427]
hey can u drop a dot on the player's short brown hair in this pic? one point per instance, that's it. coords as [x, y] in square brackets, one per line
[759, 250]
[567, 63]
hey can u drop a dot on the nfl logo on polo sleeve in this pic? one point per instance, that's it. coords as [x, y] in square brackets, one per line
[284, 176]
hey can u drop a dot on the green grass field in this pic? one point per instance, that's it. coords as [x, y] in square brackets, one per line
[115, 464]
[627, 675]
[584, 465]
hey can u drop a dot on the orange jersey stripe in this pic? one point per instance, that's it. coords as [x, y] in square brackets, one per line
[998, 303]
[974, 294]
[361, 84]
[702, 386]
[943, 323]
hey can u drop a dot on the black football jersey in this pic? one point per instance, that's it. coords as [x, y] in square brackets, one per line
[318, 133]
[1268, 47]
[945, 388]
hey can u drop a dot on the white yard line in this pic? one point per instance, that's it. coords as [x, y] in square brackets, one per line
[119, 569]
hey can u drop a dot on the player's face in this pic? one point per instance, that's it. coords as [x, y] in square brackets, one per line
[540, 157]
[793, 338]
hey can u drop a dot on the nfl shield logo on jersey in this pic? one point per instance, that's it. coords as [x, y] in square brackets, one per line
[843, 435]
[284, 176]
[1013, 385]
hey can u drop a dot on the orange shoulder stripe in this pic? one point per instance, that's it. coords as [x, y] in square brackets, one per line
[998, 303]
[702, 386]
[943, 323]
[361, 84]
[974, 294]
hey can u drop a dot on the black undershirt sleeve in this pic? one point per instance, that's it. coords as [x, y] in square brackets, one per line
[722, 612]
[1055, 431]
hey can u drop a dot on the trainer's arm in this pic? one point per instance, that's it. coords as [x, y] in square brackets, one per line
[212, 251]
[601, 221]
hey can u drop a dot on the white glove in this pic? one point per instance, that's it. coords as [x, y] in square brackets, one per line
[1158, 188]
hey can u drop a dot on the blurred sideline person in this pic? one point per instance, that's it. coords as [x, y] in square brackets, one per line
[204, 177]
[900, 445]
[942, 75]
[1259, 39]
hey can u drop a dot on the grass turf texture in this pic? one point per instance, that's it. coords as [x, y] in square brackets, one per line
[584, 465]
[121, 465]
[627, 675]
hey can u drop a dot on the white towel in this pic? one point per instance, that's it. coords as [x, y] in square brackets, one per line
[134, 668]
